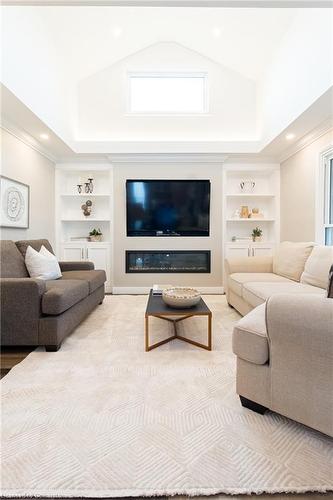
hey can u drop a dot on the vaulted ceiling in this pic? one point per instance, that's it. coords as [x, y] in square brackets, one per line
[50, 54]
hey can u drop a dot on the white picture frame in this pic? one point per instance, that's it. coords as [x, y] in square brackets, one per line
[14, 203]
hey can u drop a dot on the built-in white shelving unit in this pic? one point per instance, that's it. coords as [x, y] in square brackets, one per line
[71, 224]
[264, 196]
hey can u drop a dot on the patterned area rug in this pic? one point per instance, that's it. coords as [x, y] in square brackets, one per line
[102, 418]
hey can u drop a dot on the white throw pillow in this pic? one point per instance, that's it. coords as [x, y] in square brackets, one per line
[317, 267]
[42, 265]
[290, 258]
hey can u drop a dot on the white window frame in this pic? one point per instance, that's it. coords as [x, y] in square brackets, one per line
[322, 195]
[172, 74]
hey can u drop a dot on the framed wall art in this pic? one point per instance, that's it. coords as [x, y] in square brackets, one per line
[15, 203]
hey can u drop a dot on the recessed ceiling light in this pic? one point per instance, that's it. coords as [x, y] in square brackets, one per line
[289, 137]
[216, 32]
[117, 31]
[44, 136]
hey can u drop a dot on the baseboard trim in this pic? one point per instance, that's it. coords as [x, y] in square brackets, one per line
[142, 290]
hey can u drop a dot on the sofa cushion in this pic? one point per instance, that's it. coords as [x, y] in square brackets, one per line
[317, 267]
[290, 257]
[11, 261]
[249, 339]
[22, 245]
[257, 293]
[237, 280]
[60, 295]
[94, 278]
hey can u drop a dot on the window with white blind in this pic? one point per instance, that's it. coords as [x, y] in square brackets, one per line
[325, 200]
[167, 93]
[328, 210]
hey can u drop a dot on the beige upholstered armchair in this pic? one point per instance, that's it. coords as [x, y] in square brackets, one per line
[284, 354]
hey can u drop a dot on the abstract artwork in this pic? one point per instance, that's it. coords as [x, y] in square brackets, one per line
[14, 198]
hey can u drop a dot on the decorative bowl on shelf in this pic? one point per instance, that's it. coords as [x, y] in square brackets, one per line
[181, 297]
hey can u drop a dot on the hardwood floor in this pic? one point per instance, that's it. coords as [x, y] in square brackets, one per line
[11, 356]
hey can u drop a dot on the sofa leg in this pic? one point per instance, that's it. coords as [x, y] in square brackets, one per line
[101, 302]
[252, 405]
[52, 348]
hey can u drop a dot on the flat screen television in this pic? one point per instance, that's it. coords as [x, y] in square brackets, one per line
[167, 207]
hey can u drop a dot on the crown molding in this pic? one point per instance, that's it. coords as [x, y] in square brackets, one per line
[177, 3]
[308, 139]
[250, 158]
[27, 139]
[168, 158]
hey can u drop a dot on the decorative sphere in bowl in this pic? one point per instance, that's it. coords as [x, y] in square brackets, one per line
[181, 297]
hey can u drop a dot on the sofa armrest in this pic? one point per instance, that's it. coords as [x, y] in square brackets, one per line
[76, 266]
[263, 264]
[20, 310]
[300, 333]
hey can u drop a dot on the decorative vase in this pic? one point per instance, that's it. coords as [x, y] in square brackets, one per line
[244, 214]
[247, 186]
[257, 239]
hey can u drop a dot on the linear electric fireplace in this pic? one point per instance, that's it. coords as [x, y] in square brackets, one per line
[167, 261]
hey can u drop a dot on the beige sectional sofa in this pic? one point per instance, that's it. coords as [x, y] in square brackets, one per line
[296, 268]
[284, 342]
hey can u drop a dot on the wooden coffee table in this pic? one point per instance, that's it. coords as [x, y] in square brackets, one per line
[158, 309]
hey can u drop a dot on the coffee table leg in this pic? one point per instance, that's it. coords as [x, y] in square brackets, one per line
[210, 331]
[147, 332]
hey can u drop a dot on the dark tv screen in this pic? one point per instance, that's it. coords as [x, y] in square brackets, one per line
[167, 207]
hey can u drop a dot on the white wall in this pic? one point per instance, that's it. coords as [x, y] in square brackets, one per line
[24, 164]
[298, 191]
[122, 242]
[300, 72]
[103, 98]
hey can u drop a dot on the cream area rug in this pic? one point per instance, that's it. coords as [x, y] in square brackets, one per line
[102, 418]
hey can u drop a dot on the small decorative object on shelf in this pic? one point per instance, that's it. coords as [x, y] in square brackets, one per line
[244, 213]
[181, 297]
[96, 235]
[256, 234]
[86, 207]
[256, 214]
[86, 187]
[79, 238]
[91, 186]
[247, 186]
[79, 188]
[236, 214]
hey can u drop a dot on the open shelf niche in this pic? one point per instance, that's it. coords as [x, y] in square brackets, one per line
[261, 190]
[72, 227]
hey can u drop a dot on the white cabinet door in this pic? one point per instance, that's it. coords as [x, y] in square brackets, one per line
[258, 251]
[98, 255]
[72, 252]
[237, 250]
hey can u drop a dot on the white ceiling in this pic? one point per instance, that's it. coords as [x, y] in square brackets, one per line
[90, 38]
[49, 52]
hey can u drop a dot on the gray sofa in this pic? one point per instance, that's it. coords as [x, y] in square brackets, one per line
[36, 312]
